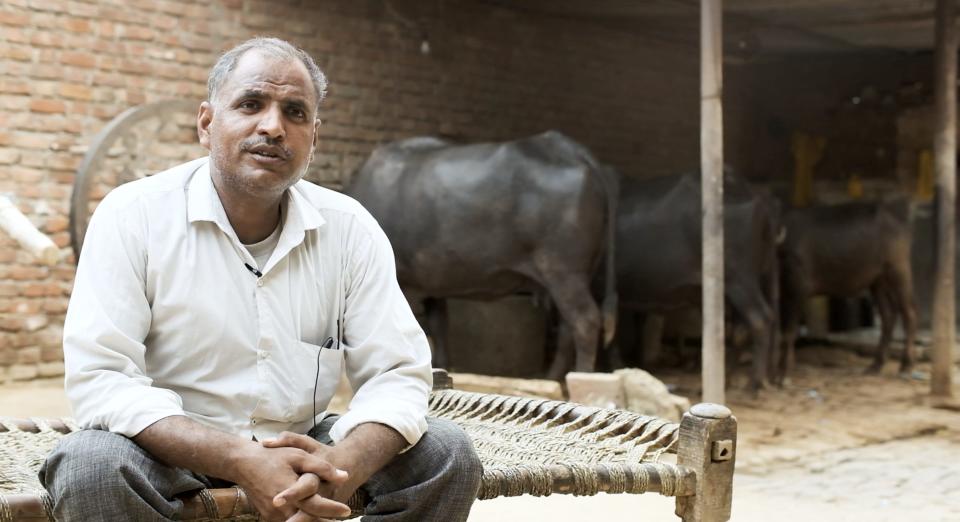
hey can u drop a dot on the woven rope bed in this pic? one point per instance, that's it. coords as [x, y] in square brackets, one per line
[527, 446]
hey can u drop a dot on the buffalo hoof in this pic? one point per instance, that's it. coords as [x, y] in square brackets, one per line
[874, 369]
[756, 387]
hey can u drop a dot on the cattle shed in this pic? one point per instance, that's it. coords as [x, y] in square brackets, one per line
[620, 77]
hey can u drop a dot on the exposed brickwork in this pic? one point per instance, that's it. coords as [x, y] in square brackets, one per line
[68, 66]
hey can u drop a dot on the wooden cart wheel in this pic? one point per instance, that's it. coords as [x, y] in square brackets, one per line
[140, 141]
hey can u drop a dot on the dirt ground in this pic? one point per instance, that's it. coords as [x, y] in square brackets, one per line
[832, 445]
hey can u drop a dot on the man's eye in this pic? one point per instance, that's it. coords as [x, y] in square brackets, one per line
[297, 113]
[249, 104]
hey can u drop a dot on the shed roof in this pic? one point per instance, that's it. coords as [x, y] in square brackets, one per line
[765, 27]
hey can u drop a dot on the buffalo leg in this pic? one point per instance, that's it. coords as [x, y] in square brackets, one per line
[625, 348]
[903, 289]
[757, 314]
[580, 313]
[652, 339]
[436, 312]
[563, 357]
[792, 310]
[885, 306]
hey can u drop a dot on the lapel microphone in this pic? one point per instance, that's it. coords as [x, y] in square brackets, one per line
[252, 270]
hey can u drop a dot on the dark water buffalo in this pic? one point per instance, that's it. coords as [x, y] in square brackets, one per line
[658, 257]
[844, 251]
[487, 220]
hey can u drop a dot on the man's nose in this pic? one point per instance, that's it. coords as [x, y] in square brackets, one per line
[271, 123]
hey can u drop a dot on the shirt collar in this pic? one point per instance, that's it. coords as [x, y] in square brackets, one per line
[203, 204]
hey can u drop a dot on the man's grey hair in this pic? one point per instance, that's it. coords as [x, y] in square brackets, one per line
[273, 47]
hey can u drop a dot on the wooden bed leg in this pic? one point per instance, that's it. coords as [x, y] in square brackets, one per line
[708, 442]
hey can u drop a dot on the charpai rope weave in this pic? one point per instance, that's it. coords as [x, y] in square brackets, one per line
[527, 446]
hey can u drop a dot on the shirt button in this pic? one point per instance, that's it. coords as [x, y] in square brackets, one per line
[260, 282]
[253, 421]
[263, 354]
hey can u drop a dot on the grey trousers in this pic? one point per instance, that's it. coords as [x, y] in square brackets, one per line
[96, 475]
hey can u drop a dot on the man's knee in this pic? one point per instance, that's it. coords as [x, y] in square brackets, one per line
[91, 465]
[83, 455]
[452, 446]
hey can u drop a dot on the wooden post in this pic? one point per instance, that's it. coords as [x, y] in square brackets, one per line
[708, 446]
[945, 148]
[711, 166]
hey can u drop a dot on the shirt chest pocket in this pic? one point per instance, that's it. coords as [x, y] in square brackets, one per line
[318, 374]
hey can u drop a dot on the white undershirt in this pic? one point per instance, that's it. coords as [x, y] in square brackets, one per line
[262, 250]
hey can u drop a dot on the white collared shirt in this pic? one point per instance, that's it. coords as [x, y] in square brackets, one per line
[165, 318]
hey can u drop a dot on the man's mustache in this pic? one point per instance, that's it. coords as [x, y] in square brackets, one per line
[264, 144]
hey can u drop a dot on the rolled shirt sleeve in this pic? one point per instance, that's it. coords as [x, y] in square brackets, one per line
[387, 355]
[107, 320]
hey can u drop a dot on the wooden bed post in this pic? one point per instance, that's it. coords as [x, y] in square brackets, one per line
[708, 446]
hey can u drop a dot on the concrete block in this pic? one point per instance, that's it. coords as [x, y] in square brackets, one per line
[23, 372]
[596, 389]
[50, 369]
[542, 388]
[647, 395]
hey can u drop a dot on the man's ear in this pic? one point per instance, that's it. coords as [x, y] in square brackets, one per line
[204, 119]
[316, 132]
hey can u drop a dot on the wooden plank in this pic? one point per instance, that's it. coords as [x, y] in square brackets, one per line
[945, 150]
[708, 446]
[711, 166]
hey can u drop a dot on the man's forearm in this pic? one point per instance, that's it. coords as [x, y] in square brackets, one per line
[364, 451]
[181, 442]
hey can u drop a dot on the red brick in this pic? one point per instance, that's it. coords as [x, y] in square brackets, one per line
[24, 273]
[15, 52]
[78, 59]
[56, 224]
[133, 66]
[33, 290]
[55, 306]
[11, 324]
[76, 92]
[28, 355]
[77, 25]
[138, 32]
[48, 106]
[62, 240]
[14, 18]
[30, 140]
[82, 9]
[9, 156]
[15, 35]
[51, 353]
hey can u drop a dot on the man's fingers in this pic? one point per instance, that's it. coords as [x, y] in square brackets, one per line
[320, 507]
[291, 440]
[323, 469]
[305, 487]
[300, 516]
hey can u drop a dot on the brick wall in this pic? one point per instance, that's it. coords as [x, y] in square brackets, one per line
[67, 67]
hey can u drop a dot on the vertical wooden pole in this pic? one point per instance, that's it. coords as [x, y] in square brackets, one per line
[711, 166]
[945, 148]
